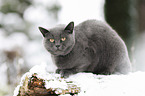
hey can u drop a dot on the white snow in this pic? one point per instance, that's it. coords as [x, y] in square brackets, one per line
[111, 85]
[132, 84]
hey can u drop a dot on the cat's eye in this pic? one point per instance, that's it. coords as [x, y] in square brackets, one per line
[51, 40]
[63, 39]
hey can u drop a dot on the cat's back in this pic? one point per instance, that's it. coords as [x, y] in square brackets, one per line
[100, 35]
[106, 44]
[94, 27]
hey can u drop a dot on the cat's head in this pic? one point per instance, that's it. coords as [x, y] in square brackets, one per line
[59, 40]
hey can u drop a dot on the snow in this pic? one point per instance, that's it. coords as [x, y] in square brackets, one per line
[93, 85]
[111, 85]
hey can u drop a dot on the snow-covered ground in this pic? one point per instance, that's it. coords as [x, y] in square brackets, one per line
[90, 84]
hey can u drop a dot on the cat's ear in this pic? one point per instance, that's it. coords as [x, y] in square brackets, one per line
[69, 28]
[43, 31]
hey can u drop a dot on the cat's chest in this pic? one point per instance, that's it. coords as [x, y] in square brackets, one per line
[74, 58]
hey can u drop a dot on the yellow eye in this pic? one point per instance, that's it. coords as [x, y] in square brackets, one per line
[51, 40]
[63, 39]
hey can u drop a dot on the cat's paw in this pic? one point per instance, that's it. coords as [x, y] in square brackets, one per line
[65, 73]
[58, 71]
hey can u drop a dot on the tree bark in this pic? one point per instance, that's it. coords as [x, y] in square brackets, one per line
[34, 86]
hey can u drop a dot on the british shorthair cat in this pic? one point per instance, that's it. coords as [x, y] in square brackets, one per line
[92, 46]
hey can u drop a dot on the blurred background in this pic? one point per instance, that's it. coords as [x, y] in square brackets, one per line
[21, 42]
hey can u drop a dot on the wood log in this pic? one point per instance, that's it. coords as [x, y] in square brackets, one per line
[35, 86]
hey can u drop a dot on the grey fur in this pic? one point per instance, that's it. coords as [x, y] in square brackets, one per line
[92, 46]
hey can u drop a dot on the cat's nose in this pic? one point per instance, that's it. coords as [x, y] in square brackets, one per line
[57, 46]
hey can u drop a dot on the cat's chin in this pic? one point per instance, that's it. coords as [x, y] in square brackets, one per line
[60, 53]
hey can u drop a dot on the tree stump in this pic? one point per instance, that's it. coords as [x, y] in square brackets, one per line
[33, 85]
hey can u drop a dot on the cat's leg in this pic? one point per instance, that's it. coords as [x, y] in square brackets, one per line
[123, 68]
[114, 68]
[104, 70]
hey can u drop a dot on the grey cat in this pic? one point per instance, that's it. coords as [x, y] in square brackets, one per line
[92, 46]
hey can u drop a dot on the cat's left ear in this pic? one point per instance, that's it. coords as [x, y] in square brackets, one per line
[69, 28]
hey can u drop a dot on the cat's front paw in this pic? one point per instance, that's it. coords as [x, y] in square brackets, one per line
[58, 71]
[65, 73]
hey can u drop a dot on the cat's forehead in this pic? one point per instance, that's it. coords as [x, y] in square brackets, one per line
[57, 30]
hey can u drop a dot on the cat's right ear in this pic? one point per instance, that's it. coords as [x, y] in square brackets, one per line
[70, 27]
[43, 31]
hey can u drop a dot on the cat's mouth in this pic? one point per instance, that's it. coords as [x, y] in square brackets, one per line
[58, 51]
